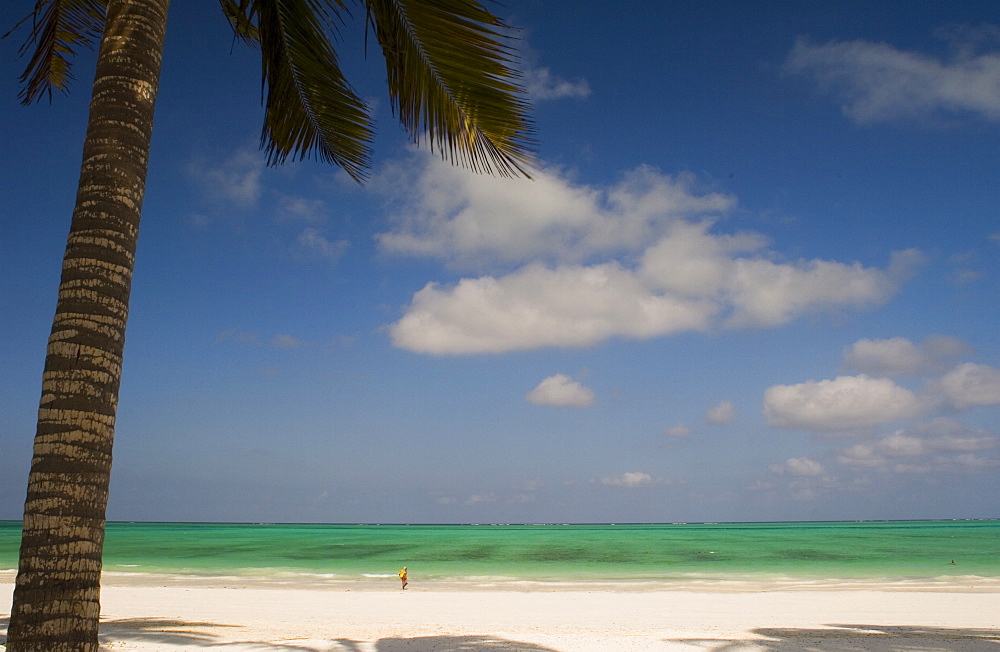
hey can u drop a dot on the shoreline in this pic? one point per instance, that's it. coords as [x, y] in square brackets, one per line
[211, 613]
[388, 582]
[695, 584]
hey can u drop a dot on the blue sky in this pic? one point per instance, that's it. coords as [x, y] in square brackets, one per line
[755, 278]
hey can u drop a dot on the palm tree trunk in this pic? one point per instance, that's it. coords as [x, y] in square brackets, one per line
[57, 593]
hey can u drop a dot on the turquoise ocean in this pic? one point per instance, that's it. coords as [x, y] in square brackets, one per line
[705, 555]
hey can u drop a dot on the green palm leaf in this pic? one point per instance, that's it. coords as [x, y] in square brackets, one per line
[59, 27]
[239, 18]
[310, 108]
[451, 77]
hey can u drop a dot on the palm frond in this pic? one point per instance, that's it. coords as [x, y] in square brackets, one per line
[451, 78]
[240, 15]
[58, 28]
[310, 109]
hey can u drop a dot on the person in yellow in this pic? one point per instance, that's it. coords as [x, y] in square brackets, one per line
[402, 577]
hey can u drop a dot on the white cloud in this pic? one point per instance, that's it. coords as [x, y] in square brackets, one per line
[312, 241]
[723, 412]
[570, 306]
[471, 220]
[679, 431]
[680, 276]
[799, 467]
[578, 306]
[235, 180]
[765, 293]
[899, 356]
[845, 403]
[969, 385]
[302, 209]
[876, 82]
[630, 479]
[939, 445]
[542, 84]
[561, 391]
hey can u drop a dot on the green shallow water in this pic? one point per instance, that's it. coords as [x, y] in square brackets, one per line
[877, 551]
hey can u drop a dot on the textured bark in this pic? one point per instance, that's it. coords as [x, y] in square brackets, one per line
[57, 593]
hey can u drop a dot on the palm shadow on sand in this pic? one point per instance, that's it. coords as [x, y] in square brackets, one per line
[456, 644]
[165, 631]
[189, 635]
[858, 638]
[833, 638]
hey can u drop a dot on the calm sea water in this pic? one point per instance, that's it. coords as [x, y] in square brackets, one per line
[490, 555]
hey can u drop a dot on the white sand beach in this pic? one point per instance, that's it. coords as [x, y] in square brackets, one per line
[146, 613]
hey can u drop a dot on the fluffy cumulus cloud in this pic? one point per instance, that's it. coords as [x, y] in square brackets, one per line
[940, 445]
[469, 220]
[629, 479]
[640, 259]
[798, 467]
[898, 356]
[969, 385]
[877, 82]
[853, 403]
[723, 412]
[844, 403]
[571, 306]
[561, 391]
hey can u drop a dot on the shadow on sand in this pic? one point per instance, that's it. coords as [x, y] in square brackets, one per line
[858, 638]
[185, 635]
[162, 631]
[449, 644]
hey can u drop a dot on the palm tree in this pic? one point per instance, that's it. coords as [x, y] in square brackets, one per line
[452, 83]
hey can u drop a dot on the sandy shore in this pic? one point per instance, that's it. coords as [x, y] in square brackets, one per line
[146, 614]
